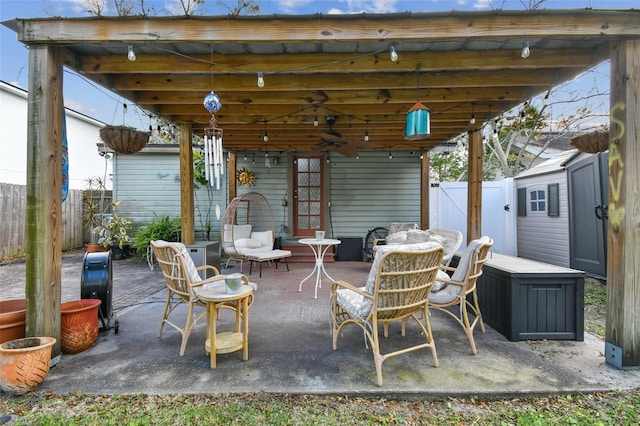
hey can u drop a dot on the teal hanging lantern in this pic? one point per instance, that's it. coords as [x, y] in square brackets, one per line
[418, 122]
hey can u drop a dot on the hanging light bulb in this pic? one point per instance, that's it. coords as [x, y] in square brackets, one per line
[358, 156]
[390, 156]
[266, 136]
[244, 157]
[131, 55]
[315, 118]
[267, 163]
[473, 114]
[253, 159]
[260, 80]
[366, 132]
[393, 53]
[525, 50]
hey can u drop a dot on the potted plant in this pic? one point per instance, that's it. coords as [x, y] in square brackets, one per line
[24, 363]
[114, 231]
[95, 207]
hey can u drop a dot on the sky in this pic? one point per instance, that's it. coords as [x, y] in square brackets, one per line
[99, 103]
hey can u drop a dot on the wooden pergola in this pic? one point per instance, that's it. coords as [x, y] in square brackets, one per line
[458, 64]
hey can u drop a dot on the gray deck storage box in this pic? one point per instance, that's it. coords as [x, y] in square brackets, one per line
[528, 300]
[206, 253]
[350, 248]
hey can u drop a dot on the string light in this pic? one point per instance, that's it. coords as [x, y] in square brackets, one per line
[315, 117]
[473, 114]
[366, 132]
[525, 50]
[245, 156]
[266, 136]
[131, 55]
[260, 79]
[393, 53]
[390, 156]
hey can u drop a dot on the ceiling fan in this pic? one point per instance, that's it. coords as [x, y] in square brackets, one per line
[332, 140]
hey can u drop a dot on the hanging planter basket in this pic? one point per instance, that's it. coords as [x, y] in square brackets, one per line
[123, 139]
[593, 142]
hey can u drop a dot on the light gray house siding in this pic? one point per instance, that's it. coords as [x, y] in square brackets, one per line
[373, 191]
[364, 193]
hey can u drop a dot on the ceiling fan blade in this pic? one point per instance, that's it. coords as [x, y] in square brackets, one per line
[363, 144]
[348, 150]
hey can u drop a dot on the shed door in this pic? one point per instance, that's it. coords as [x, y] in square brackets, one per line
[587, 215]
[308, 196]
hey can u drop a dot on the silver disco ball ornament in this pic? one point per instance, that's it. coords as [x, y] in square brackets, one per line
[212, 102]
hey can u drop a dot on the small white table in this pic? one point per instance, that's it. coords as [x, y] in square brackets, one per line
[319, 248]
[215, 295]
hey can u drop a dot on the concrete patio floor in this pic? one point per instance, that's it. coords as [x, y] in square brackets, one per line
[290, 347]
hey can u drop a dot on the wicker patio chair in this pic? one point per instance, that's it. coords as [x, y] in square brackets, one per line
[457, 290]
[409, 233]
[181, 276]
[398, 288]
[248, 231]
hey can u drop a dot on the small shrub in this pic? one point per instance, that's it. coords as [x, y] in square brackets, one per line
[164, 228]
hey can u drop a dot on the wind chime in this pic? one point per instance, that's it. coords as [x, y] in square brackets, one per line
[213, 156]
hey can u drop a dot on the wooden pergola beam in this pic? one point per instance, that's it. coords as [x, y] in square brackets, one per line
[307, 28]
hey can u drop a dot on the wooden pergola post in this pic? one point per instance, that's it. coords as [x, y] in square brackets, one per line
[622, 339]
[43, 231]
[186, 185]
[424, 189]
[474, 189]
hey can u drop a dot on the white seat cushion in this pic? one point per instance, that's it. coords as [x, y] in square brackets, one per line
[247, 243]
[355, 304]
[438, 284]
[445, 295]
[264, 238]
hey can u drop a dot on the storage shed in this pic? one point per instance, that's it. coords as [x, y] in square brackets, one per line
[562, 212]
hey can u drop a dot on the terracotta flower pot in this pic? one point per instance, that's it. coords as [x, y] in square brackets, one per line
[79, 325]
[24, 363]
[13, 315]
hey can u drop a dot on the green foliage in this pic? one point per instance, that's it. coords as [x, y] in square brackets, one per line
[94, 205]
[604, 408]
[595, 306]
[114, 230]
[164, 228]
[199, 174]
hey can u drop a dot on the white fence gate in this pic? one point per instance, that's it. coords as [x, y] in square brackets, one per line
[448, 209]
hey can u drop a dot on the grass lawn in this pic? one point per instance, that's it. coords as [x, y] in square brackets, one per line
[607, 408]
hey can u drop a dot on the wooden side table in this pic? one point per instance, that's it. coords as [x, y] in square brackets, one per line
[215, 295]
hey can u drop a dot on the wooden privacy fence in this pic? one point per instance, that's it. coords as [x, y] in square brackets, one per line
[13, 205]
